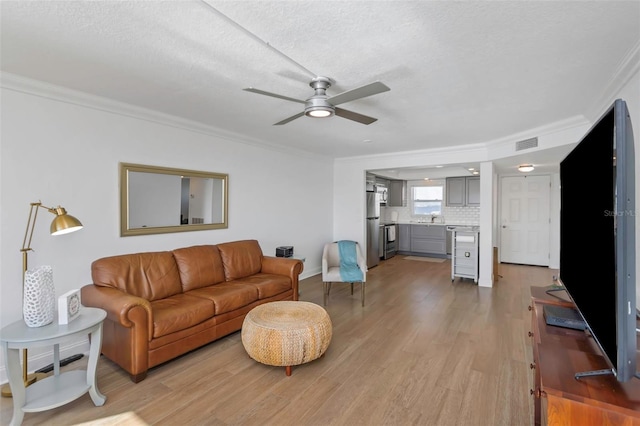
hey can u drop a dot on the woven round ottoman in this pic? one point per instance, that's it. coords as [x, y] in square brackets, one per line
[286, 333]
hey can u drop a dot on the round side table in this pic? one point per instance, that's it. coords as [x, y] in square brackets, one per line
[59, 389]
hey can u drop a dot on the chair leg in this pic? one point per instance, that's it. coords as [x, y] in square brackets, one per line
[363, 294]
[352, 289]
[326, 290]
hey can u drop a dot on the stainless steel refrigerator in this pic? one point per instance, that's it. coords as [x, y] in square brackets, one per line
[373, 228]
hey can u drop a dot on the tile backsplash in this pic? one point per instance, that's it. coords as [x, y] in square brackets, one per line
[452, 215]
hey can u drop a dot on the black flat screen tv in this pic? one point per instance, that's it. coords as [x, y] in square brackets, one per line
[597, 237]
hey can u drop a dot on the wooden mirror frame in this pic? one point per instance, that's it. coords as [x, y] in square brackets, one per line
[127, 168]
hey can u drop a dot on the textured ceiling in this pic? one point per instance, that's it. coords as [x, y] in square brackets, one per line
[459, 72]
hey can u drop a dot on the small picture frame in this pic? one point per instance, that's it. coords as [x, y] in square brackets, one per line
[69, 305]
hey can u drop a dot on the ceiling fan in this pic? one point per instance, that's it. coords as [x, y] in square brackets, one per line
[321, 105]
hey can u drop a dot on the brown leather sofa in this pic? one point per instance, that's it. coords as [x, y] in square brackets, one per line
[163, 304]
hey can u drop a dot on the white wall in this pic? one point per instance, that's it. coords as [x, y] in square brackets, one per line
[487, 189]
[63, 153]
[554, 214]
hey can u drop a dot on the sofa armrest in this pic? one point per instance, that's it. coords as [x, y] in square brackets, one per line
[122, 308]
[284, 266]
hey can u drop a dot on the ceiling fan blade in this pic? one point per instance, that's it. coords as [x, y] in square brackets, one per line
[273, 95]
[364, 119]
[286, 120]
[358, 93]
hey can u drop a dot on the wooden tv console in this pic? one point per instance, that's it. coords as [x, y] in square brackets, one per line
[559, 353]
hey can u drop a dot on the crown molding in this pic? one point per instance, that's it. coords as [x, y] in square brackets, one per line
[57, 93]
[507, 143]
[484, 151]
[628, 67]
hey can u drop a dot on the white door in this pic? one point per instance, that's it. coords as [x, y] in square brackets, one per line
[524, 233]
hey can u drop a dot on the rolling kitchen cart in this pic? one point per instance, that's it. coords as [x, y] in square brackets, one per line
[464, 257]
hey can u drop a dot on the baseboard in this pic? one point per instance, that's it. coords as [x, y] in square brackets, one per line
[310, 273]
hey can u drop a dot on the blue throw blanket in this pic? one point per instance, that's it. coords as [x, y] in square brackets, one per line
[349, 270]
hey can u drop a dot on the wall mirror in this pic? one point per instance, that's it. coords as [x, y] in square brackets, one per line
[156, 200]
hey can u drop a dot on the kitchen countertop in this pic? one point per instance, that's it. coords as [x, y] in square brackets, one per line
[470, 227]
[412, 222]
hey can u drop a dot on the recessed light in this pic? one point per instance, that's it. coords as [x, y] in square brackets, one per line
[439, 167]
[367, 141]
[476, 172]
[426, 178]
[471, 169]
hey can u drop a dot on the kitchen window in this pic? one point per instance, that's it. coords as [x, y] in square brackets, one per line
[426, 200]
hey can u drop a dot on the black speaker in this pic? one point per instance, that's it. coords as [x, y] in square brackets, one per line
[284, 251]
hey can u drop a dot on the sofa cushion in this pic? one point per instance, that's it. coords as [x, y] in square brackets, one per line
[151, 275]
[227, 296]
[241, 258]
[268, 285]
[199, 266]
[178, 312]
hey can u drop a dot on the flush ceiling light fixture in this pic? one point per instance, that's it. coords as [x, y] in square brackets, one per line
[525, 168]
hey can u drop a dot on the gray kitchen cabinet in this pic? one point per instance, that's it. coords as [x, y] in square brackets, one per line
[463, 191]
[382, 181]
[455, 188]
[473, 191]
[428, 239]
[404, 237]
[397, 193]
[371, 182]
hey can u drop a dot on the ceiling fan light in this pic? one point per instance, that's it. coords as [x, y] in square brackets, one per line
[525, 168]
[319, 111]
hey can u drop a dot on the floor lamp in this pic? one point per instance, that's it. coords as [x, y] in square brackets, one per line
[63, 223]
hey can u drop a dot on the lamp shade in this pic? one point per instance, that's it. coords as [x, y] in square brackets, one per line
[64, 223]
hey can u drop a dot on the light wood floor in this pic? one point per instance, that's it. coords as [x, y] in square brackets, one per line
[423, 351]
